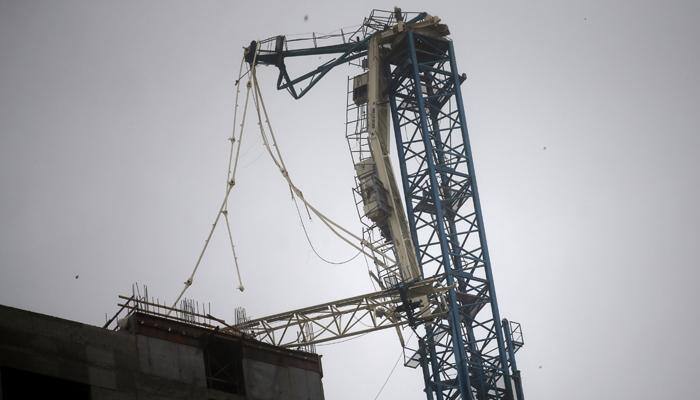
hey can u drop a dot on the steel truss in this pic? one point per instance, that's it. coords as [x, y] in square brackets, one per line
[464, 349]
[349, 317]
[463, 354]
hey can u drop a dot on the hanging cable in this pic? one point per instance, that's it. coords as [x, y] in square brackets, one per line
[232, 139]
[392, 371]
[189, 280]
[231, 174]
[279, 162]
[342, 340]
[231, 182]
[308, 240]
[336, 228]
[233, 250]
[389, 376]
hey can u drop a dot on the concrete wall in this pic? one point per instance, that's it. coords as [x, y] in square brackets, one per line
[265, 381]
[122, 365]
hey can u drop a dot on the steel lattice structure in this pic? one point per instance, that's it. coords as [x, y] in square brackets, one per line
[465, 350]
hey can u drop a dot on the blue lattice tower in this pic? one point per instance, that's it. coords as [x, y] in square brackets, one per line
[463, 354]
[465, 350]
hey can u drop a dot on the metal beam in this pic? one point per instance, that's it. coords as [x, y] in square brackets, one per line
[348, 317]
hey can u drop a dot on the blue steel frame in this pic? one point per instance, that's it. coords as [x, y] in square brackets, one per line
[463, 355]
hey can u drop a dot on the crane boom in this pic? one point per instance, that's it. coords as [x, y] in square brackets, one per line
[348, 317]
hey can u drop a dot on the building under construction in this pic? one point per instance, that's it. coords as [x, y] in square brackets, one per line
[147, 354]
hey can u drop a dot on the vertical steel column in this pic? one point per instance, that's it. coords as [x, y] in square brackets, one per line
[454, 317]
[454, 240]
[428, 383]
[465, 348]
[428, 356]
[479, 217]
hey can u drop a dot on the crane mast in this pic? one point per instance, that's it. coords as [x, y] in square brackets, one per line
[443, 288]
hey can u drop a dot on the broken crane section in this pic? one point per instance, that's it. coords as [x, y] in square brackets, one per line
[427, 237]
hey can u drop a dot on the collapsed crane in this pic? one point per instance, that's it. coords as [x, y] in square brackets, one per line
[439, 282]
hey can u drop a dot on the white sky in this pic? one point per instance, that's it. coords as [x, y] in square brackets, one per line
[113, 126]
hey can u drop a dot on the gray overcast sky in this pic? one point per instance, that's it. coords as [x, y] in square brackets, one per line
[584, 124]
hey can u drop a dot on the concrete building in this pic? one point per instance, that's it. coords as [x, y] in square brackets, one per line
[148, 356]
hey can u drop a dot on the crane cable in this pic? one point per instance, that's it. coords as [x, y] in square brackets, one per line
[308, 240]
[230, 183]
[279, 162]
[392, 369]
[231, 173]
